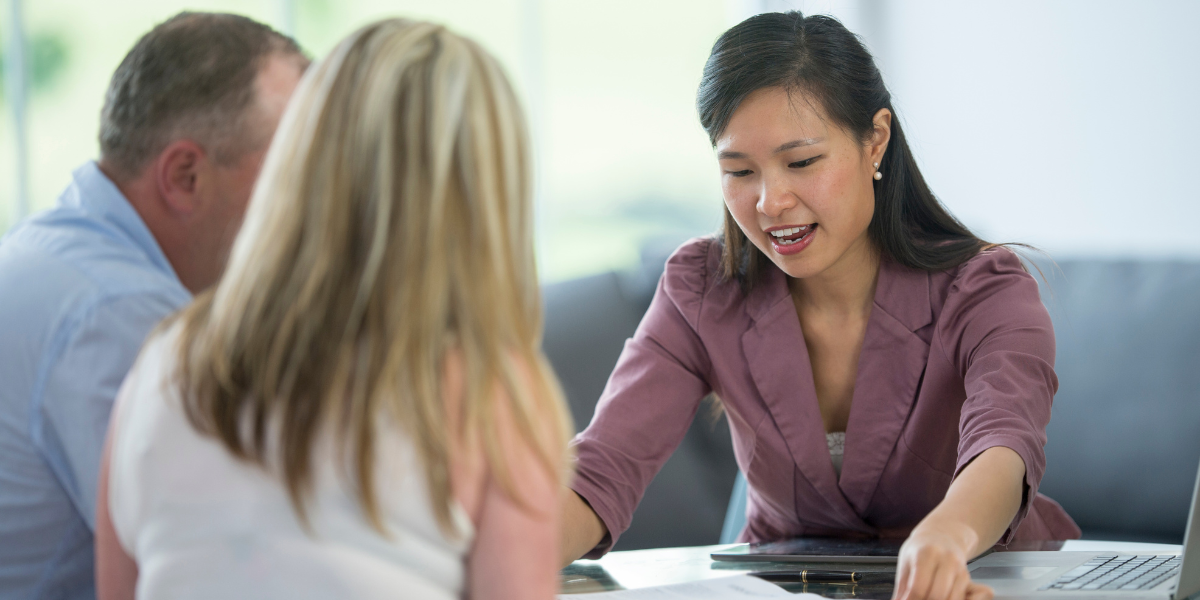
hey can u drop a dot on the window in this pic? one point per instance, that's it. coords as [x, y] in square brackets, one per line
[609, 88]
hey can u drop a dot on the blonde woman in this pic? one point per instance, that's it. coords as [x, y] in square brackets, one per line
[360, 408]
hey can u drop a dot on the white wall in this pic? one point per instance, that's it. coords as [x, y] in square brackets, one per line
[1070, 125]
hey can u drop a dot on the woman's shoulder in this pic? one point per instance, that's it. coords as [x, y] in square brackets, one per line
[988, 272]
[693, 263]
[691, 274]
[154, 365]
[991, 289]
[145, 414]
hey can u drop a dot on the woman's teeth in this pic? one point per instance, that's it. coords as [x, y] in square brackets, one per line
[781, 234]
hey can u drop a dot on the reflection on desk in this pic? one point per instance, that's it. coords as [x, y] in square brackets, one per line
[664, 566]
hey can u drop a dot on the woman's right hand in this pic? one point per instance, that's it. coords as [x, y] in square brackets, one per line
[933, 565]
[581, 528]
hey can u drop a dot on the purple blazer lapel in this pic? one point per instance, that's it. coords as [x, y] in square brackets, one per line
[780, 367]
[890, 369]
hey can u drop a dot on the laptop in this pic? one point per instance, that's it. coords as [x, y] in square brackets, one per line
[1096, 575]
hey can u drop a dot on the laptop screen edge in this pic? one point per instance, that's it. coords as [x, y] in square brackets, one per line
[1189, 571]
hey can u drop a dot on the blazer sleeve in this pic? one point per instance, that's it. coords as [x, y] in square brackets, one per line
[1002, 342]
[650, 399]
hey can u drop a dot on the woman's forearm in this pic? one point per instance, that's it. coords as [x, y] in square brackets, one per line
[581, 528]
[982, 501]
[977, 509]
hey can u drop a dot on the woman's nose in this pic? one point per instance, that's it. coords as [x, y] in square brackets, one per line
[774, 197]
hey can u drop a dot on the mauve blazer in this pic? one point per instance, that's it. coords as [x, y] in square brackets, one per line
[953, 363]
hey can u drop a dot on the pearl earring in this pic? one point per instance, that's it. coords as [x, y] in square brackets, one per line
[878, 175]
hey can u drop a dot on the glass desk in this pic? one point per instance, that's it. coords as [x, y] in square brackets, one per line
[663, 566]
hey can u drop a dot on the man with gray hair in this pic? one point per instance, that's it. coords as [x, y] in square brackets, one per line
[186, 122]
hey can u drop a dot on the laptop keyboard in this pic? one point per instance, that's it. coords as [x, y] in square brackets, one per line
[1124, 572]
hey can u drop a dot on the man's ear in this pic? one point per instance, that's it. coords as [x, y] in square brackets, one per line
[177, 171]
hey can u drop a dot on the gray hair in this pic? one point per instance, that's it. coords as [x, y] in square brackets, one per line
[191, 76]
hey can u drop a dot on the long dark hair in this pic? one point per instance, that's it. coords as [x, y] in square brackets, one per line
[818, 56]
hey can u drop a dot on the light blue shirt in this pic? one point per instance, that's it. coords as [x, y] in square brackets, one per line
[81, 285]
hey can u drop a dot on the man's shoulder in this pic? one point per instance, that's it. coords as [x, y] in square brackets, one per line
[58, 271]
[66, 253]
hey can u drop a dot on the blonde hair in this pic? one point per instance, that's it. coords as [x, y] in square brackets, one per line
[391, 226]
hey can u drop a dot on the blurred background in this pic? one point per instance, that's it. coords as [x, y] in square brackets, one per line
[1063, 124]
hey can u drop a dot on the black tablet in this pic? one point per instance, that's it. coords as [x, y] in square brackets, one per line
[816, 550]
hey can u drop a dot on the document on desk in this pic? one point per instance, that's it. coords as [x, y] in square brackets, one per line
[725, 588]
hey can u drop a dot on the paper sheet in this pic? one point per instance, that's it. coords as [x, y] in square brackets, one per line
[724, 588]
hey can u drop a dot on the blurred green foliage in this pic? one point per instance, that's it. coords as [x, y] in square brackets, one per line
[48, 55]
[317, 10]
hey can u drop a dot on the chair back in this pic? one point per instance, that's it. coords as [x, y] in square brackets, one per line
[1124, 438]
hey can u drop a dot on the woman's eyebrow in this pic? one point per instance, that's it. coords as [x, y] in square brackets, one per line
[724, 154]
[797, 144]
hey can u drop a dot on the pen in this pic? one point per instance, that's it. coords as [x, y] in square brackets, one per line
[814, 576]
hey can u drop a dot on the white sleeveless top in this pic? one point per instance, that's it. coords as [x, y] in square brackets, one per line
[202, 524]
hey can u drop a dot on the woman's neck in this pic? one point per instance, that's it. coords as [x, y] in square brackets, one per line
[846, 289]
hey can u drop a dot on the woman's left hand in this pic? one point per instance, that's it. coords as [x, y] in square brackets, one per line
[933, 564]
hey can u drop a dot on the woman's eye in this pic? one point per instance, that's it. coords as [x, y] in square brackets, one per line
[800, 164]
[741, 173]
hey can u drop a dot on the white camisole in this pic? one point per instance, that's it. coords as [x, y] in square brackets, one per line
[201, 524]
[837, 449]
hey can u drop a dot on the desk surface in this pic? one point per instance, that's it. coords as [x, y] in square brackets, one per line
[664, 566]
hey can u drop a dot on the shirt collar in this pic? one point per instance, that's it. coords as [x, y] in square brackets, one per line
[903, 292]
[94, 193]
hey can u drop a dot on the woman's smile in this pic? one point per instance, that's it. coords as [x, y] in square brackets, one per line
[791, 239]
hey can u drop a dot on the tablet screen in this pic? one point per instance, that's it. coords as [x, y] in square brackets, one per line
[816, 550]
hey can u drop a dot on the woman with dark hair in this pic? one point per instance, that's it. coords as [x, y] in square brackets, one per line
[886, 373]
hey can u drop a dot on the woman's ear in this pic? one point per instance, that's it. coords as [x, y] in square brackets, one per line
[880, 135]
